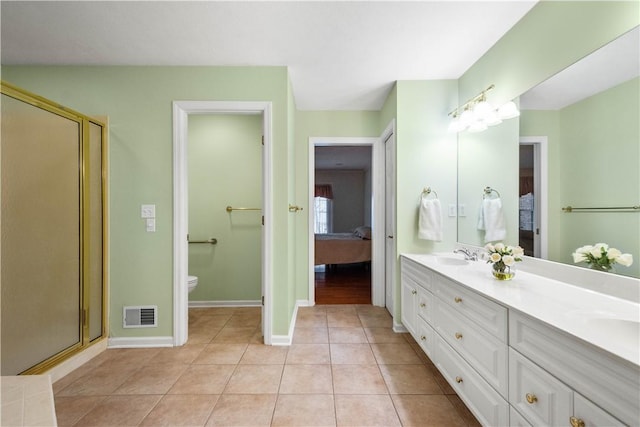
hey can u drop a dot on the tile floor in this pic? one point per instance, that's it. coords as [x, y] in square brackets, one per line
[346, 367]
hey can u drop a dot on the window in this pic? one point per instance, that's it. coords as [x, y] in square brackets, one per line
[323, 215]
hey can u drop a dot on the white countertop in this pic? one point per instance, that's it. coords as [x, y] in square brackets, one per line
[607, 322]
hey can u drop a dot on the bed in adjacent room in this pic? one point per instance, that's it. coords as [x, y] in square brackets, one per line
[343, 248]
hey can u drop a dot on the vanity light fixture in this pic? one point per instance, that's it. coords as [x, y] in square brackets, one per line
[477, 114]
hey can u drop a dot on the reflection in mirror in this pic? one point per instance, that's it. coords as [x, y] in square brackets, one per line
[586, 118]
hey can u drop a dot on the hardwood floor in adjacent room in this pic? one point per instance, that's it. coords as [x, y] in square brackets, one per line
[344, 284]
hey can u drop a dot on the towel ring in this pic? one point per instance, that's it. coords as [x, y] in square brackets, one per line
[488, 191]
[427, 191]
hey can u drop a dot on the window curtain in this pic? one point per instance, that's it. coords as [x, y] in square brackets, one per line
[324, 190]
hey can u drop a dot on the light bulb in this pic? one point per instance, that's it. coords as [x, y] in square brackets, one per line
[477, 126]
[466, 118]
[508, 111]
[482, 110]
[492, 119]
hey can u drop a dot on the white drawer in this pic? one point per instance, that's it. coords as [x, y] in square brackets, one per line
[611, 383]
[426, 337]
[416, 272]
[538, 396]
[425, 305]
[517, 420]
[487, 314]
[481, 399]
[590, 414]
[486, 353]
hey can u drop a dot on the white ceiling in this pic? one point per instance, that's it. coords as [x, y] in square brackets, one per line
[342, 55]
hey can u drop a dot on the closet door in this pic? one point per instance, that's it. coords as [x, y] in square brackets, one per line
[41, 234]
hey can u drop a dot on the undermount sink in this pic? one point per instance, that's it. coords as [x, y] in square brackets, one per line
[449, 260]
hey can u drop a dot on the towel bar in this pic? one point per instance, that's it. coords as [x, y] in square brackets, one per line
[229, 209]
[211, 241]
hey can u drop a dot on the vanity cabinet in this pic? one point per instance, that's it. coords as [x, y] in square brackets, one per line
[510, 368]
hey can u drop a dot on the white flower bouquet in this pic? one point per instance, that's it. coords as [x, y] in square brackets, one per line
[601, 257]
[503, 258]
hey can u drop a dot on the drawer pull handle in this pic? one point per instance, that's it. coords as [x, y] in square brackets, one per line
[413, 292]
[423, 338]
[576, 422]
[458, 380]
[458, 335]
[531, 398]
[458, 300]
[423, 305]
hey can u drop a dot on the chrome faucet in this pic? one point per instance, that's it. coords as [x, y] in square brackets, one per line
[468, 255]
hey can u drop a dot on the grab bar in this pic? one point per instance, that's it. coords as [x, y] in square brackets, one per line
[615, 208]
[211, 241]
[229, 209]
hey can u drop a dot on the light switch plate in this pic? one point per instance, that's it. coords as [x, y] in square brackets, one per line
[151, 225]
[462, 210]
[452, 210]
[148, 211]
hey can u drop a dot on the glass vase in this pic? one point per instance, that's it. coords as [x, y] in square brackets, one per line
[503, 272]
[606, 268]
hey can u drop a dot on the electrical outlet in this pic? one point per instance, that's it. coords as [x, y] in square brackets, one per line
[452, 210]
[462, 210]
[148, 211]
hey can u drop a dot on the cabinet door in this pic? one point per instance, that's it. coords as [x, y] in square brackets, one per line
[540, 397]
[408, 302]
[590, 414]
[425, 336]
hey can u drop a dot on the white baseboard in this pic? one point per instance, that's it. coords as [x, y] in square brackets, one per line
[288, 339]
[399, 328]
[237, 303]
[140, 342]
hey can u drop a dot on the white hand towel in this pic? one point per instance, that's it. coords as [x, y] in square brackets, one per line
[430, 220]
[494, 224]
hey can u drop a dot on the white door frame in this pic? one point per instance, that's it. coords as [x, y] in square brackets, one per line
[181, 111]
[542, 178]
[377, 211]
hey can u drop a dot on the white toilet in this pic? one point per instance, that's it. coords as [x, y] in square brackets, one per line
[192, 281]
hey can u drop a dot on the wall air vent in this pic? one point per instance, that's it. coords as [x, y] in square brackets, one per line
[140, 316]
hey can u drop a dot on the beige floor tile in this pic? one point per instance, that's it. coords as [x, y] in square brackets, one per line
[358, 379]
[185, 410]
[365, 411]
[255, 379]
[311, 320]
[306, 379]
[202, 336]
[372, 310]
[395, 354]
[376, 320]
[184, 354]
[234, 335]
[310, 335]
[103, 380]
[426, 411]
[244, 320]
[343, 320]
[209, 322]
[120, 411]
[152, 379]
[203, 379]
[260, 354]
[354, 354]
[224, 354]
[384, 336]
[254, 410]
[443, 383]
[315, 309]
[304, 410]
[308, 354]
[409, 379]
[353, 335]
[341, 308]
[69, 409]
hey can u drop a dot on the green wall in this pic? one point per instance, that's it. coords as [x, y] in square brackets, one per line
[595, 163]
[138, 102]
[225, 149]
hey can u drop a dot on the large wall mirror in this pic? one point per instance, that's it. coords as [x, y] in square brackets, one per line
[576, 144]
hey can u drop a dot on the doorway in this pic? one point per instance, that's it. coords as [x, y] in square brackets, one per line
[376, 207]
[181, 112]
[533, 196]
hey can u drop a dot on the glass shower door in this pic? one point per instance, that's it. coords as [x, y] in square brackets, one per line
[41, 262]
